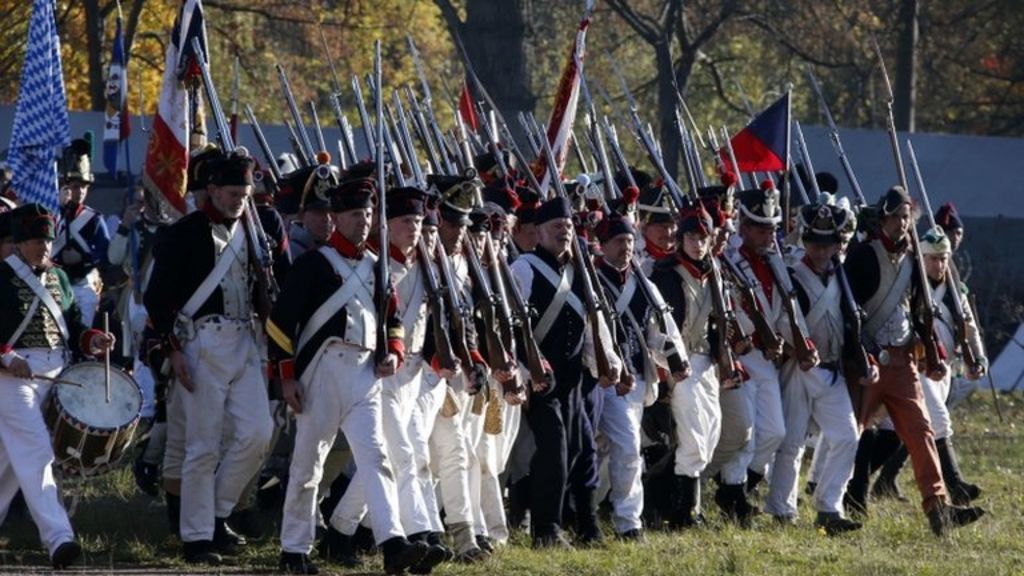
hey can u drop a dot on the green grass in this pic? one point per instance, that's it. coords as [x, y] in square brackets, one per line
[122, 529]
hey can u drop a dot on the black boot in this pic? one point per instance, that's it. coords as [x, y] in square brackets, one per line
[856, 498]
[960, 491]
[173, 502]
[434, 555]
[588, 532]
[834, 524]
[732, 499]
[519, 504]
[226, 540]
[201, 552]
[338, 548]
[295, 563]
[400, 554]
[65, 555]
[753, 481]
[943, 517]
[887, 442]
[686, 503]
[887, 484]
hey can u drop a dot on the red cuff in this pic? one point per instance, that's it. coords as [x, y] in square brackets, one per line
[397, 347]
[810, 345]
[286, 369]
[435, 364]
[476, 357]
[942, 351]
[85, 341]
[5, 348]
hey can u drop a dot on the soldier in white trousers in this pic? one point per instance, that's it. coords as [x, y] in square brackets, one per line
[819, 393]
[650, 341]
[200, 299]
[39, 324]
[759, 217]
[685, 281]
[323, 338]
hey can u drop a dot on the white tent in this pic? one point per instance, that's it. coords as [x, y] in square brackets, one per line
[1008, 368]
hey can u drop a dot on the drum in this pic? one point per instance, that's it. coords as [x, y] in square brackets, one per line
[90, 434]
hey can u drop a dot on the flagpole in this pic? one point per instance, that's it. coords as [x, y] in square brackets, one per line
[789, 160]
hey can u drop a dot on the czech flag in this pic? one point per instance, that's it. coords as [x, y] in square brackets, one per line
[763, 145]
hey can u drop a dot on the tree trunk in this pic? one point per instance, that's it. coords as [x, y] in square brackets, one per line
[94, 43]
[670, 143]
[906, 67]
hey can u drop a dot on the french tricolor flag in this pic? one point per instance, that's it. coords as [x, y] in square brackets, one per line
[116, 125]
[763, 145]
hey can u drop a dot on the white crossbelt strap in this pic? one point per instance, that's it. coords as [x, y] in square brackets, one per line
[563, 294]
[220, 269]
[622, 300]
[35, 284]
[415, 302]
[880, 315]
[75, 230]
[353, 280]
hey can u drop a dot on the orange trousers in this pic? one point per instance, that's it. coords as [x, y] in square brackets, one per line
[899, 390]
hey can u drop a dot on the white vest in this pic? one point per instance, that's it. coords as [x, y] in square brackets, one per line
[825, 316]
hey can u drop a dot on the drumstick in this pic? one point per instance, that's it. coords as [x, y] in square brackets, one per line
[106, 357]
[56, 380]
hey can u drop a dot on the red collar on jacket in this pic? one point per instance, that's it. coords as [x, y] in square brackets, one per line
[344, 247]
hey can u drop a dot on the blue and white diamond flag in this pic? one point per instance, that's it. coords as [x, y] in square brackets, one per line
[41, 120]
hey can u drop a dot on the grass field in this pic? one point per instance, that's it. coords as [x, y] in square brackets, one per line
[123, 530]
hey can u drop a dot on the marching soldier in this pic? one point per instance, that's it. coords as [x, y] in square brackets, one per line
[40, 326]
[565, 462]
[880, 273]
[200, 300]
[524, 231]
[648, 347]
[313, 225]
[453, 453]
[684, 280]
[819, 393]
[657, 227]
[937, 249]
[759, 217]
[322, 340]
[417, 508]
[82, 237]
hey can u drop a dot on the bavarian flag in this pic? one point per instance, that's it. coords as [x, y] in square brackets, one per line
[763, 145]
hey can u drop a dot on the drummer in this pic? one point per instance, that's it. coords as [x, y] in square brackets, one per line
[40, 324]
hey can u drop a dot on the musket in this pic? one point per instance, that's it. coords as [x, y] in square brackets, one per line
[357, 91]
[805, 154]
[803, 351]
[459, 312]
[423, 131]
[593, 299]
[492, 141]
[770, 339]
[234, 101]
[405, 136]
[541, 377]
[438, 316]
[933, 359]
[383, 290]
[498, 357]
[988, 373]
[300, 126]
[661, 312]
[317, 129]
[960, 318]
[335, 83]
[725, 359]
[293, 139]
[348, 145]
[855, 317]
[259, 246]
[837, 144]
[261, 141]
[501, 300]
